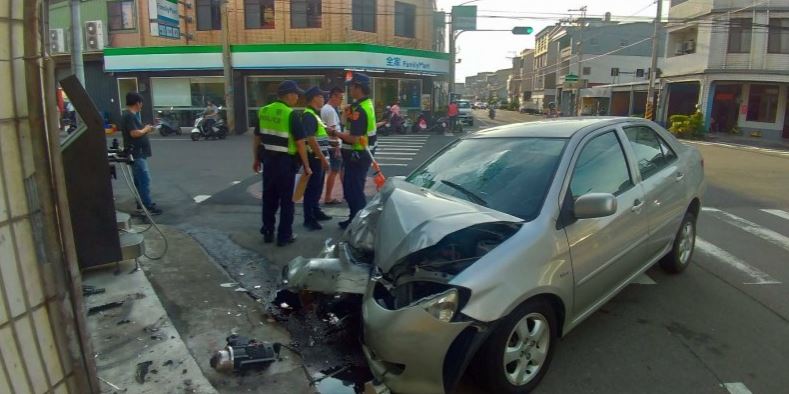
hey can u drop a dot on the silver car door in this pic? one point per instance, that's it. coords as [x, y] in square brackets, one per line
[604, 250]
[663, 181]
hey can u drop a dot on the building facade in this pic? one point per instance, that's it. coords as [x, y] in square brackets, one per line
[177, 67]
[729, 59]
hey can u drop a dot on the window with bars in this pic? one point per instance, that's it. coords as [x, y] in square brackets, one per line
[364, 15]
[120, 15]
[778, 36]
[405, 20]
[305, 14]
[259, 14]
[740, 35]
[209, 14]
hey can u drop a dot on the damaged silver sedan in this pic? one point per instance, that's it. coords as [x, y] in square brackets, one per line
[505, 241]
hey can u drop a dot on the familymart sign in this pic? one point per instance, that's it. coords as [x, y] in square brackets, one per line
[165, 21]
[277, 57]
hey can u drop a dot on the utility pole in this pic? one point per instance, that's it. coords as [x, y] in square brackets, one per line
[227, 61]
[77, 67]
[452, 60]
[650, 110]
[580, 58]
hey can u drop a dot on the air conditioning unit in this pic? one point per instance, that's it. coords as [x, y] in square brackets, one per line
[57, 41]
[94, 36]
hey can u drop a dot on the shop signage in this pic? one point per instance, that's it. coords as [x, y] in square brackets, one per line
[405, 63]
[165, 21]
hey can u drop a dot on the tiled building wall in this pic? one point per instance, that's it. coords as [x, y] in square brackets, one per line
[40, 347]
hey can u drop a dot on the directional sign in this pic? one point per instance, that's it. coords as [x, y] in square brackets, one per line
[571, 78]
[464, 17]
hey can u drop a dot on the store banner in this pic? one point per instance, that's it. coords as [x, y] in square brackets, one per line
[165, 21]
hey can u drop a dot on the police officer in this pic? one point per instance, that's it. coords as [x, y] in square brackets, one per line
[318, 149]
[282, 138]
[355, 144]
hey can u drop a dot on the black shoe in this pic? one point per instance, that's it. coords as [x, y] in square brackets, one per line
[322, 217]
[268, 236]
[154, 210]
[286, 242]
[345, 224]
[313, 226]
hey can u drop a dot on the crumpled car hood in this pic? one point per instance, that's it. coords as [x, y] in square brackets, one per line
[405, 218]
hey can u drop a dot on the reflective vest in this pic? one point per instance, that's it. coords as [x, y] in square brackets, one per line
[369, 139]
[320, 135]
[275, 128]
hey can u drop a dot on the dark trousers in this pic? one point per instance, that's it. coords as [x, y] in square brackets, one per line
[279, 178]
[356, 168]
[312, 195]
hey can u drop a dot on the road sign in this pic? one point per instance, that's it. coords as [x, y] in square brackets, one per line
[570, 78]
[464, 17]
[522, 30]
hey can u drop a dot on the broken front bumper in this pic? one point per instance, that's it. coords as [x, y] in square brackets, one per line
[336, 271]
[406, 348]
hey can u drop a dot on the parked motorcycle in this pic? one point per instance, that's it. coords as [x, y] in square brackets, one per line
[422, 125]
[167, 123]
[69, 124]
[217, 130]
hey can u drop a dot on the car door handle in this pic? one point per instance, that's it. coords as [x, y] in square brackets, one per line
[680, 176]
[637, 205]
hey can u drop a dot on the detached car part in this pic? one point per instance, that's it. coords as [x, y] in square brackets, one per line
[244, 353]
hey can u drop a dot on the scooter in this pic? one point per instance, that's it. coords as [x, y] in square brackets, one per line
[492, 113]
[216, 131]
[166, 123]
[421, 125]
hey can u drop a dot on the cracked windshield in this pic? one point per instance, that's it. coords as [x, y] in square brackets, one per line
[394, 196]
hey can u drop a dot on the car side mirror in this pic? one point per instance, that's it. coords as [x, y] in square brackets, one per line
[594, 205]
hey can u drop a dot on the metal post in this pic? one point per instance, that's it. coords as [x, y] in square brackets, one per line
[580, 60]
[649, 112]
[227, 61]
[452, 56]
[77, 67]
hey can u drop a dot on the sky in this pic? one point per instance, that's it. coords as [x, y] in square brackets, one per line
[490, 51]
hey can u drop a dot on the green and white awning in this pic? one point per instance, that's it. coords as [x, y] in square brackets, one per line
[277, 57]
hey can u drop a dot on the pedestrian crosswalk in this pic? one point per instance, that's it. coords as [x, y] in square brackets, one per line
[399, 150]
[758, 252]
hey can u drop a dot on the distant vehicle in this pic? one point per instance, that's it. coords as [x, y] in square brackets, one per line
[217, 130]
[529, 108]
[465, 116]
[477, 105]
[167, 123]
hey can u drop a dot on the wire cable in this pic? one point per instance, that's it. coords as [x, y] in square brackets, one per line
[126, 172]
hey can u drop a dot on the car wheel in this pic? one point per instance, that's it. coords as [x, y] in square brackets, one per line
[682, 251]
[518, 352]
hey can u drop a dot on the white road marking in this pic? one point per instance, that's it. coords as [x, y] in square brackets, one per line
[736, 388]
[751, 227]
[741, 147]
[643, 279]
[235, 182]
[777, 212]
[201, 198]
[396, 158]
[387, 149]
[395, 154]
[759, 277]
[392, 165]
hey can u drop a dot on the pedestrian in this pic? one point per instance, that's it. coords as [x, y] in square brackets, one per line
[282, 137]
[318, 152]
[357, 144]
[452, 113]
[136, 143]
[330, 114]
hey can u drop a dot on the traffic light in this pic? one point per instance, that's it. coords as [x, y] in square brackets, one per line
[522, 30]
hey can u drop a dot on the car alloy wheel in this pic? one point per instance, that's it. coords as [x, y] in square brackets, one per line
[527, 349]
[687, 240]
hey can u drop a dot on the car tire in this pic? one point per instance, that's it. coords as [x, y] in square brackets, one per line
[682, 249]
[531, 353]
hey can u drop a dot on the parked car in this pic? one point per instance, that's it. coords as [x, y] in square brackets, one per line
[505, 241]
[466, 115]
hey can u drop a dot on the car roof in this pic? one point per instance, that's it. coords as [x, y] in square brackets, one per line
[552, 128]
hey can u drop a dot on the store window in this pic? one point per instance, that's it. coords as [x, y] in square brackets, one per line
[120, 15]
[259, 14]
[408, 91]
[778, 36]
[185, 98]
[740, 35]
[364, 15]
[209, 14]
[405, 20]
[262, 91]
[763, 103]
[305, 14]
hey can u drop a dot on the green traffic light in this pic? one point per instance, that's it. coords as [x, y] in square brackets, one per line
[522, 30]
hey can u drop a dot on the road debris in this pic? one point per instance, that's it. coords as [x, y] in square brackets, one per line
[104, 307]
[110, 384]
[243, 353]
[142, 371]
[228, 285]
[88, 290]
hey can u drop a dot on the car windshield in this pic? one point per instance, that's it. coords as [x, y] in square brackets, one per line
[511, 175]
[464, 104]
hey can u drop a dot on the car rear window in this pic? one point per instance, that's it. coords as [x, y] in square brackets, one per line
[464, 104]
[511, 175]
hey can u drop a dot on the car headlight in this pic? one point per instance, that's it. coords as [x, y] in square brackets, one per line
[442, 306]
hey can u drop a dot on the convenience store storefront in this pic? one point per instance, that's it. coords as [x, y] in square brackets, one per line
[181, 79]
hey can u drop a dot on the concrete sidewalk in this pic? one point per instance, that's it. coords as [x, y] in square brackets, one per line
[782, 144]
[183, 307]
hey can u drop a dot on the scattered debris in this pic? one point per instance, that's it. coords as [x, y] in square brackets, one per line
[155, 372]
[142, 371]
[88, 290]
[257, 287]
[244, 353]
[241, 289]
[168, 363]
[103, 307]
[183, 372]
[126, 311]
[110, 384]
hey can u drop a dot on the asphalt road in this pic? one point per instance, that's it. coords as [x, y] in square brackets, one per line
[721, 326]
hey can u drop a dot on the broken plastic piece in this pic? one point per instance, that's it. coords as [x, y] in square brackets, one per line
[243, 353]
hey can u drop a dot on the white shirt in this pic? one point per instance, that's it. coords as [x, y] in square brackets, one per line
[330, 118]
